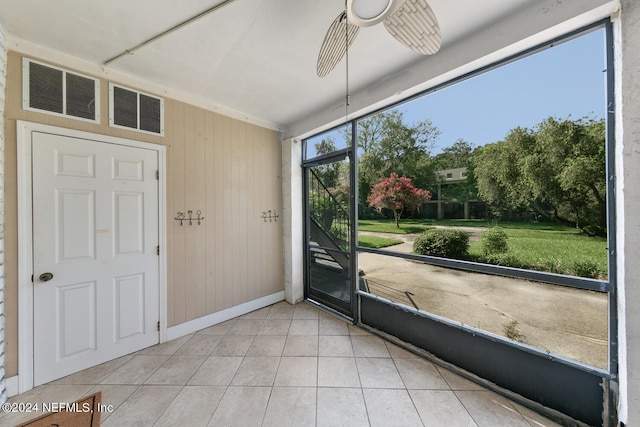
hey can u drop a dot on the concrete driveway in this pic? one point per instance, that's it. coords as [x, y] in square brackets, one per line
[569, 322]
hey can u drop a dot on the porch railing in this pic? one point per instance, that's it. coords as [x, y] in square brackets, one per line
[330, 214]
[329, 226]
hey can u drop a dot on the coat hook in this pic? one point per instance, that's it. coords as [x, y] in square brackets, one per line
[180, 217]
[271, 215]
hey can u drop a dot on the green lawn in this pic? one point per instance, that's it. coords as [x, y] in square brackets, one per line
[540, 246]
[503, 224]
[376, 242]
[552, 251]
[407, 226]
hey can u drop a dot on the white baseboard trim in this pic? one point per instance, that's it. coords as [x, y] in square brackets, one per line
[11, 384]
[203, 322]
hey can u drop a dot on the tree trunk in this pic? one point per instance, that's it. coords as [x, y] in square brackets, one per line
[397, 213]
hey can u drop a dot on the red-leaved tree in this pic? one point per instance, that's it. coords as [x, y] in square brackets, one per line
[397, 194]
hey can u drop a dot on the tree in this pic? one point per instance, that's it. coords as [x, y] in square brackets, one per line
[457, 155]
[557, 170]
[462, 191]
[578, 150]
[387, 144]
[329, 174]
[497, 175]
[370, 130]
[397, 194]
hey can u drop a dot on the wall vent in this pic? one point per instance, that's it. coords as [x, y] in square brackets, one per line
[131, 109]
[52, 90]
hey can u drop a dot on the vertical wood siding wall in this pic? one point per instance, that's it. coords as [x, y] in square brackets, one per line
[231, 172]
[226, 168]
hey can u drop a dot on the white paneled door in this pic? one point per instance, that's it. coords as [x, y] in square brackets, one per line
[95, 237]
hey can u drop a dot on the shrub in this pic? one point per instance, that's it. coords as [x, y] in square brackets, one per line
[443, 243]
[494, 241]
[367, 212]
[339, 233]
[505, 260]
[553, 265]
[586, 268]
[323, 209]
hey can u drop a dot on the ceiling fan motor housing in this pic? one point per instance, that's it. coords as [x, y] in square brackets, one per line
[365, 13]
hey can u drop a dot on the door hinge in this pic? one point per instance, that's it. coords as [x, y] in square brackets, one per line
[158, 175]
[158, 250]
[32, 278]
[158, 326]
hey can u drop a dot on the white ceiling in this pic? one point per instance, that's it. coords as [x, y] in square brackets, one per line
[258, 57]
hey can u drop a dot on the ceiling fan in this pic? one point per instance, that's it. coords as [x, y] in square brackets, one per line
[411, 22]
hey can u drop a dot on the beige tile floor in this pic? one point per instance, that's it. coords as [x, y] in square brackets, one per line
[282, 365]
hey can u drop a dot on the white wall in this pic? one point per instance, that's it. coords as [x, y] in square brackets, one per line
[292, 220]
[628, 207]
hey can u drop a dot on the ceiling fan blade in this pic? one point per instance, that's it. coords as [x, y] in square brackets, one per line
[339, 37]
[415, 25]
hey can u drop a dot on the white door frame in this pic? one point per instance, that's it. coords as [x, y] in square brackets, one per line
[25, 237]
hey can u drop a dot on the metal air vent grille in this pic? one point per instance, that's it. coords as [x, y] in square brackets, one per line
[52, 90]
[135, 110]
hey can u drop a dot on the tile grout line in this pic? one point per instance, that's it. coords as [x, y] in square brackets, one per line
[355, 362]
[182, 386]
[406, 389]
[266, 407]
[228, 385]
[168, 405]
[241, 362]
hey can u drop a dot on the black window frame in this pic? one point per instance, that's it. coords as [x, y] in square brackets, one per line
[596, 285]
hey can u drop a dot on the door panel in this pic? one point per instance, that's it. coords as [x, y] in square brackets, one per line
[75, 229]
[129, 307]
[127, 170]
[95, 213]
[74, 164]
[128, 223]
[76, 323]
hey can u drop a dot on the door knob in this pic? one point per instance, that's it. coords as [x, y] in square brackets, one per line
[45, 277]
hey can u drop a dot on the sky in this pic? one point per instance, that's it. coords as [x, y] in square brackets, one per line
[566, 80]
